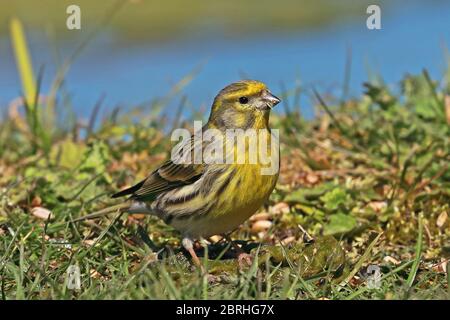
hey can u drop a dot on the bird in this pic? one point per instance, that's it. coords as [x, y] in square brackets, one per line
[201, 199]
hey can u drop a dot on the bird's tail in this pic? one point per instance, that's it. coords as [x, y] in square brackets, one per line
[119, 208]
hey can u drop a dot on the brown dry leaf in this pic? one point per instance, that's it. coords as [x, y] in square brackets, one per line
[356, 281]
[441, 266]
[392, 260]
[378, 206]
[36, 202]
[41, 213]
[215, 238]
[150, 258]
[138, 216]
[54, 264]
[442, 219]
[312, 178]
[88, 242]
[320, 158]
[134, 218]
[6, 171]
[94, 274]
[288, 240]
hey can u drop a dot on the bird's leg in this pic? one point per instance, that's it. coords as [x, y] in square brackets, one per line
[243, 257]
[188, 244]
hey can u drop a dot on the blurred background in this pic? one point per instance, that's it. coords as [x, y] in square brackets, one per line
[132, 52]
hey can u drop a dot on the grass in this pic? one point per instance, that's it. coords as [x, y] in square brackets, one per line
[364, 183]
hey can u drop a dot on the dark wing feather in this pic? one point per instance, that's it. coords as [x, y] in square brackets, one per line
[128, 191]
[167, 177]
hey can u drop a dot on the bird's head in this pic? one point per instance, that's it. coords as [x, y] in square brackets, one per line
[243, 104]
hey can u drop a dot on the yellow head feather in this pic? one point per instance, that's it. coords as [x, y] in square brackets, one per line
[241, 88]
[228, 112]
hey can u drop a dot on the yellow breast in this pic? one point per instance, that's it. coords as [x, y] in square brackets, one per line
[247, 190]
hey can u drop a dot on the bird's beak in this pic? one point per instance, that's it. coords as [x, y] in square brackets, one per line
[270, 99]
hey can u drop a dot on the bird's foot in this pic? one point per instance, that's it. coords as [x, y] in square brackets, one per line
[188, 245]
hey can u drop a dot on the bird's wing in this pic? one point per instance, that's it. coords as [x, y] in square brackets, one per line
[168, 176]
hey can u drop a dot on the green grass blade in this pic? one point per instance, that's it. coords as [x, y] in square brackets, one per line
[419, 245]
[360, 262]
[386, 276]
[23, 60]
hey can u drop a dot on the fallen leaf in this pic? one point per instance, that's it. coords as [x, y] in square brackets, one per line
[94, 274]
[215, 238]
[441, 266]
[377, 206]
[392, 260]
[442, 219]
[36, 202]
[138, 216]
[287, 240]
[312, 178]
[88, 242]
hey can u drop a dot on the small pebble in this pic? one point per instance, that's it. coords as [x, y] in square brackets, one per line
[41, 213]
[280, 208]
[260, 216]
[261, 225]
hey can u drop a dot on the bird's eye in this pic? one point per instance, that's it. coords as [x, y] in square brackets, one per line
[243, 100]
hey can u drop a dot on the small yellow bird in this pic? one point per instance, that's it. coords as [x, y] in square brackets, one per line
[203, 199]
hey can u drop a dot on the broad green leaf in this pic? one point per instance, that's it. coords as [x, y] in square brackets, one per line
[68, 153]
[309, 194]
[334, 198]
[340, 223]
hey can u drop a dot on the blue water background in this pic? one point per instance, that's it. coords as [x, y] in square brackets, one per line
[414, 36]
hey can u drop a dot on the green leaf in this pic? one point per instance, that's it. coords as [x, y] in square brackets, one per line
[68, 154]
[419, 92]
[96, 158]
[340, 223]
[306, 195]
[310, 210]
[334, 198]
